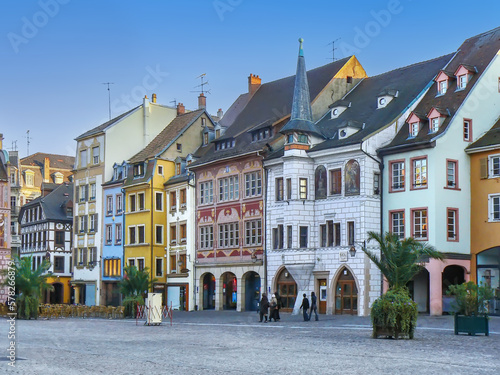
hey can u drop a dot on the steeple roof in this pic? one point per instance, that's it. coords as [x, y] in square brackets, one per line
[301, 116]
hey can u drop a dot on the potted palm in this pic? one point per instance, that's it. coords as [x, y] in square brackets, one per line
[471, 311]
[133, 287]
[394, 314]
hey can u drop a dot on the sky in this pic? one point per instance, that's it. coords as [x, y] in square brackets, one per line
[55, 55]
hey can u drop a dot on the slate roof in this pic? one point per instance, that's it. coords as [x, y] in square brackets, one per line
[477, 51]
[270, 103]
[165, 138]
[178, 178]
[53, 204]
[234, 110]
[409, 81]
[3, 172]
[131, 180]
[490, 138]
[56, 161]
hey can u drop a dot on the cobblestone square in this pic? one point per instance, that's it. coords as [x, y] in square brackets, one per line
[222, 342]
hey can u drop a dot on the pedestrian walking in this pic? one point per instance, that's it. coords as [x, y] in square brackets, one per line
[273, 305]
[264, 306]
[280, 305]
[305, 307]
[314, 306]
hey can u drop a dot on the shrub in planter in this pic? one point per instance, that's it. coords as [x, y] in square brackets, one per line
[394, 314]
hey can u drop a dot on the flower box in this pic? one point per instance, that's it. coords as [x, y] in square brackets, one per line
[472, 324]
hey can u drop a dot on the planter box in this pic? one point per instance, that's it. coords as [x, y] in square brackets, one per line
[471, 324]
[391, 332]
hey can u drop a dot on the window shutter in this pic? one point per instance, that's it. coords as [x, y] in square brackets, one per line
[483, 166]
[86, 193]
[96, 226]
[77, 193]
[85, 252]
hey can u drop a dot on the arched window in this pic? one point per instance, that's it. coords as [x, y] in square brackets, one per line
[352, 178]
[320, 183]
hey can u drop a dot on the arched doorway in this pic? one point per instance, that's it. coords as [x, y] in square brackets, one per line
[488, 273]
[208, 292]
[452, 275]
[346, 294]
[419, 290]
[252, 291]
[287, 288]
[229, 291]
[56, 295]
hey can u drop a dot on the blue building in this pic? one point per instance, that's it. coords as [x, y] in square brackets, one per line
[113, 227]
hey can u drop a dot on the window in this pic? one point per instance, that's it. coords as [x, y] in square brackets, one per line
[333, 233]
[119, 204]
[83, 158]
[182, 263]
[288, 188]
[206, 237]
[494, 207]
[109, 205]
[320, 183]
[376, 183]
[494, 164]
[397, 171]
[205, 138]
[301, 138]
[452, 224]
[83, 193]
[95, 155]
[278, 237]
[118, 234]
[92, 256]
[352, 178]
[434, 124]
[228, 188]
[419, 173]
[59, 238]
[228, 235]
[179, 147]
[183, 233]
[140, 201]
[303, 237]
[253, 233]
[112, 267]
[467, 130]
[93, 223]
[131, 262]
[177, 169]
[203, 121]
[159, 234]
[414, 128]
[253, 184]
[335, 181]
[173, 234]
[289, 236]
[206, 192]
[462, 82]
[58, 264]
[217, 133]
[183, 199]
[442, 87]
[141, 234]
[173, 263]
[159, 201]
[173, 201]
[140, 264]
[83, 224]
[419, 223]
[289, 138]
[451, 174]
[92, 192]
[131, 235]
[132, 199]
[397, 223]
[303, 188]
[322, 235]
[109, 234]
[159, 267]
[349, 79]
[351, 233]
[279, 189]
[138, 170]
[160, 170]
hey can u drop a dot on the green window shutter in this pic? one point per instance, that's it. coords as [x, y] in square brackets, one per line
[483, 166]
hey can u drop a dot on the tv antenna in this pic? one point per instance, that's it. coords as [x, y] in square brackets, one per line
[28, 141]
[14, 146]
[202, 85]
[109, 97]
[333, 49]
[175, 102]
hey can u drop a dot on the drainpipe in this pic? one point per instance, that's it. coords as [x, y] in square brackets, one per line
[152, 224]
[264, 239]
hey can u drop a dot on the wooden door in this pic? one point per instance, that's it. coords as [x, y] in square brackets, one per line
[322, 296]
[346, 295]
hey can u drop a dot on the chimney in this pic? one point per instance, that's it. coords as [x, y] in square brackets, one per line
[46, 170]
[154, 98]
[202, 101]
[253, 83]
[220, 113]
[180, 109]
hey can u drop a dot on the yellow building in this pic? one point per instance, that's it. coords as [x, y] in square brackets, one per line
[485, 211]
[145, 202]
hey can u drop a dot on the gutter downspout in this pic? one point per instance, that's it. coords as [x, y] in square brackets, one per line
[152, 225]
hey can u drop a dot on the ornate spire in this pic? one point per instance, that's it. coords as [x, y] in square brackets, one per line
[301, 116]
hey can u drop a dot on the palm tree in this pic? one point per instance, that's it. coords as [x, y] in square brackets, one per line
[400, 260]
[134, 286]
[30, 285]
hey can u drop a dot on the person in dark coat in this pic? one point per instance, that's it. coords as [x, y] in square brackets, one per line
[264, 306]
[314, 306]
[305, 307]
[280, 305]
[273, 305]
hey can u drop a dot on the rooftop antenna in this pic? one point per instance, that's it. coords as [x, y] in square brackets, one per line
[202, 85]
[14, 146]
[175, 102]
[333, 49]
[28, 139]
[109, 97]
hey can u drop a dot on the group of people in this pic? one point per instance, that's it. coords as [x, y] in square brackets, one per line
[275, 305]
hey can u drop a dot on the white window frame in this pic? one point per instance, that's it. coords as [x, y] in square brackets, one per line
[253, 184]
[434, 124]
[414, 128]
[92, 192]
[83, 158]
[303, 188]
[229, 235]
[118, 233]
[161, 201]
[159, 274]
[494, 166]
[156, 234]
[138, 231]
[493, 207]
[423, 221]
[119, 204]
[109, 234]
[109, 205]
[442, 87]
[207, 192]
[229, 188]
[398, 223]
[253, 232]
[95, 158]
[143, 208]
[206, 237]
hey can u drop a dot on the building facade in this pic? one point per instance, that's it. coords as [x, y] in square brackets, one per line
[5, 218]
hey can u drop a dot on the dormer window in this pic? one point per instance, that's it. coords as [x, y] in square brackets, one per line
[178, 169]
[139, 170]
[436, 117]
[289, 138]
[58, 178]
[205, 139]
[260, 134]
[434, 123]
[385, 97]
[382, 102]
[222, 145]
[442, 80]
[414, 128]
[338, 107]
[302, 138]
[462, 82]
[463, 74]
[442, 87]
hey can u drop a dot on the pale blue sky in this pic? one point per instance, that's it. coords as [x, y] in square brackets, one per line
[56, 53]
